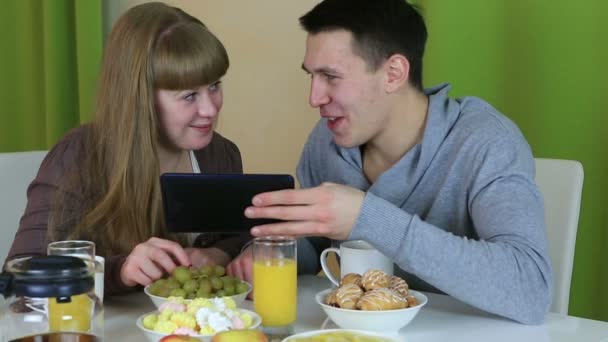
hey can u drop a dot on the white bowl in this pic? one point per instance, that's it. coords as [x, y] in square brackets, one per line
[155, 336]
[383, 321]
[360, 333]
[158, 300]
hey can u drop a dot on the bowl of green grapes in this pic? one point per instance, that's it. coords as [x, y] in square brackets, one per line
[204, 282]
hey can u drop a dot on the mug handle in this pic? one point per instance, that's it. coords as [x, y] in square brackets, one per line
[325, 267]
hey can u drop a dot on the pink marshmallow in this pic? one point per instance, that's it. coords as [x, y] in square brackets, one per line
[237, 323]
[175, 307]
[185, 331]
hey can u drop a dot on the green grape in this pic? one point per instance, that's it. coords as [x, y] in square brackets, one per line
[216, 283]
[205, 285]
[227, 280]
[191, 295]
[203, 293]
[163, 292]
[172, 284]
[194, 273]
[219, 293]
[178, 293]
[190, 286]
[182, 274]
[154, 288]
[241, 288]
[159, 283]
[206, 271]
[219, 270]
[229, 289]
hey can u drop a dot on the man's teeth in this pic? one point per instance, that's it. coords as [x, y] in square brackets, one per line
[331, 119]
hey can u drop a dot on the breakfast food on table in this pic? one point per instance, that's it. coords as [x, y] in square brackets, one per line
[382, 299]
[249, 335]
[375, 279]
[199, 316]
[373, 291]
[205, 282]
[399, 285]
[342, 336]
[348, 295]
[179, 338]
[351, 278]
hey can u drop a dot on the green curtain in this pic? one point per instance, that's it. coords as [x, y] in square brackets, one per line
[542, 63]
[51, 51]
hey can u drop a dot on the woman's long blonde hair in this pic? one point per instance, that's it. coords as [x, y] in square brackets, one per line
[152, 46]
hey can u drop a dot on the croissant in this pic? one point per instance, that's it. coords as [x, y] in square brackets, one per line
[381, 299]
[331, 298]
[411, 301]
[374, 279]
[348, 295]
[399, 285]
[351, 278]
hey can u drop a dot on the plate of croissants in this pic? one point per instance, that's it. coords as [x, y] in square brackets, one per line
[373, 301]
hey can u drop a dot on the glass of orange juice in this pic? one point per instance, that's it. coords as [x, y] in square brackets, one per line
[275, 293]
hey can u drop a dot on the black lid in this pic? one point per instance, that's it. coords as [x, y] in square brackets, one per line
[50, 276]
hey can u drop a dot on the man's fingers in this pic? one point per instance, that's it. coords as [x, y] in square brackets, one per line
[288, 197]
[293, 228]
[287, 213]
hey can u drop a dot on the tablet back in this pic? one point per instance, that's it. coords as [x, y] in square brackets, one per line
[215, 202]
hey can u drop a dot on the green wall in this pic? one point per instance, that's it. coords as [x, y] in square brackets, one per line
[49, 60]
[543, 64]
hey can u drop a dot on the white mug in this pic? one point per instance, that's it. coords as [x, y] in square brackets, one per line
[356, 256]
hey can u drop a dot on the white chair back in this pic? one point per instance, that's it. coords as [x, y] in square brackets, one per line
[17, 170]
[561, 183]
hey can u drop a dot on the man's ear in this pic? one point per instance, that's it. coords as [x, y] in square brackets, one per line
[397, 69]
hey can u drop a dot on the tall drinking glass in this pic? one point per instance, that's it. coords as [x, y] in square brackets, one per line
[84, 250]
[275, 280]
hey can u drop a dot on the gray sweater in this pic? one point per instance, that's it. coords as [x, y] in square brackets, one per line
[459, 213]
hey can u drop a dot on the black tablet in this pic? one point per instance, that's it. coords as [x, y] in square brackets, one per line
[196, 203]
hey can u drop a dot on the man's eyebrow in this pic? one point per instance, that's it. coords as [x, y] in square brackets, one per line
[323, 70]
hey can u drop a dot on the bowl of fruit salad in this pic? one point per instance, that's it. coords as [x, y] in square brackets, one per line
[199, 318]
[191, 283]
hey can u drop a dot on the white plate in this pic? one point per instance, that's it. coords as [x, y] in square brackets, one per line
[387, 338]
[238, 298]
[155, 336]
[379, 321]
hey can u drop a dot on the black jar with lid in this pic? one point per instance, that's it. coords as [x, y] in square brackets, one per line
[48, 296]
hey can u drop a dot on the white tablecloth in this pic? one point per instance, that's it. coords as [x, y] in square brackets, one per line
[442, 319]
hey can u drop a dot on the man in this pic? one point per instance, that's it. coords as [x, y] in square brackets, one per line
[444, 187]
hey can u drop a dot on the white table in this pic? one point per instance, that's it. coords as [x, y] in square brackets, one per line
[442, 319]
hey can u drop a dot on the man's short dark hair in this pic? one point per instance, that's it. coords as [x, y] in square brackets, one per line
[380, 28]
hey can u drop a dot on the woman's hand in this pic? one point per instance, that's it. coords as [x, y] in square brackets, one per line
[242, 267]
[207, 256]
[150, 260]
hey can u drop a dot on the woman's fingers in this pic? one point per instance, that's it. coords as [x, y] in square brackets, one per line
[173, 248]
[151, 270]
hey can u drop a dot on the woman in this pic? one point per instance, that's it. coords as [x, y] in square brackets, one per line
[157, 104]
